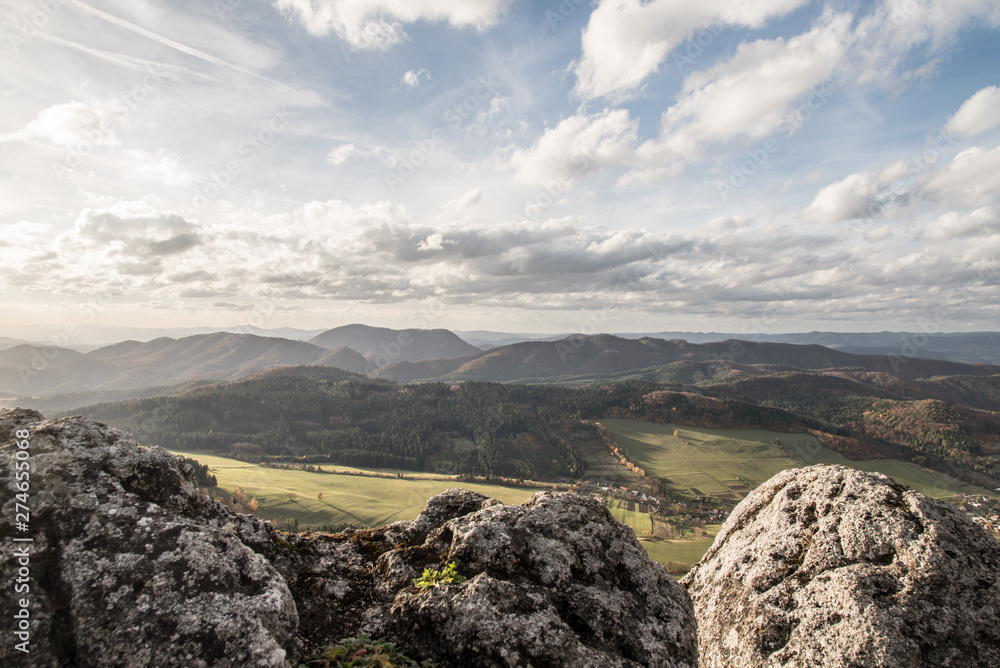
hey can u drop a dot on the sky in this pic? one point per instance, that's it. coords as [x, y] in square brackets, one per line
[752, 166]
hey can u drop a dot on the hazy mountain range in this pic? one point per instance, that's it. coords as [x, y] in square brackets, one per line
[969, 347]
[29, 373]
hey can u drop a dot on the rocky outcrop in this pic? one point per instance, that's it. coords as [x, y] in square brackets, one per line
[553, 582]
[829, 566]
[131, 565]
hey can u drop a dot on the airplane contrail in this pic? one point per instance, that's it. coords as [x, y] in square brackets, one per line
[183, 48]
[137, 64]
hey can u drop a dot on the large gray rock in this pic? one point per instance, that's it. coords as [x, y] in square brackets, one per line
[132, 566]
[830, 566]
[553, 582]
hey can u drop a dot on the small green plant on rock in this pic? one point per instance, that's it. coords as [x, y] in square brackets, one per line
[433, 577]
[360, 651]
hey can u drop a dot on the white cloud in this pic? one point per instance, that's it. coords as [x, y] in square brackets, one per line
[978, 114]
[751, 94]
[431, 243]
[73, 123]
[626, 40]
[467, 200]
[375, 254]
[578, 146]
[345, 152]
[377, 24]
[953, 226]
[412, 78]
[850, 198]
[971, 179]
[887, 35]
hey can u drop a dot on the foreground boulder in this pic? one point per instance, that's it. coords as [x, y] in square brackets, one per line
[131, 565]
[830, 566]
[554, 582]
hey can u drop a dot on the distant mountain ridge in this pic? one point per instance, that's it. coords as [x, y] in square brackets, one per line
[534, 361]
[420, 355]
[382, 346]
[31, 370]
[967, 347]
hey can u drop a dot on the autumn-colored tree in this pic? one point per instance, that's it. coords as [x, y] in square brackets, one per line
[254, 504]
[319, 496]
[239, 496]
[290, 496]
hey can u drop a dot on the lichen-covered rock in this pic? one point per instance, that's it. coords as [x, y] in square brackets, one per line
[130, 565]
[830, 566]
[553, 582]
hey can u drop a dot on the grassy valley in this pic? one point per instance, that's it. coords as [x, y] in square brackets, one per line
[340, 495]
[668, 459]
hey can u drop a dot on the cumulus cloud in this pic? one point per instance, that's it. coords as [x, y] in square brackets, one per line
[853, 197]
[467, 200]
[346, 152]
[971, 179]
[71, 124]
[626, 40]
[750, 94]
[980, 223]
[412, 78]
[131, 230]
[890, 32]
[343, 153]
[378, 24]
[577, 146]
[375, 253]
[979, 113]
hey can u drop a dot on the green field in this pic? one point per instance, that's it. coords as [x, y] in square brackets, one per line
[350, 499]
[685, 551]
[703, 462]
[637, 521]
[932, 483]
[728, 463]
[369, 501]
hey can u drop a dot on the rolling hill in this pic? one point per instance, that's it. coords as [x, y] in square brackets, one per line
[383, 346]
[31, 371]
[600, 356]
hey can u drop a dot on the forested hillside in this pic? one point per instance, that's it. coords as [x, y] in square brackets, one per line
[325, 415]
[328, 415]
